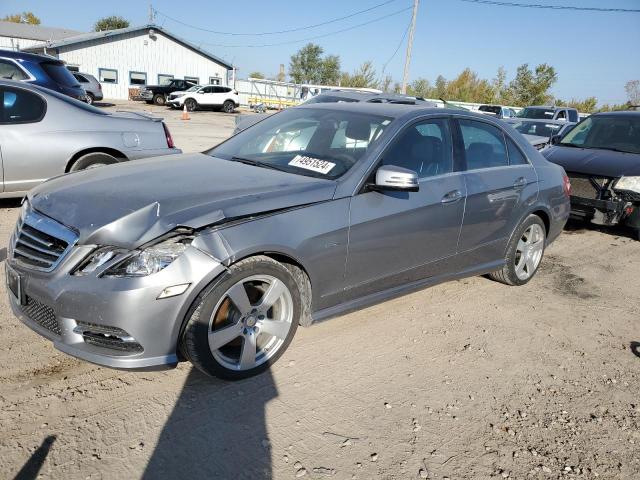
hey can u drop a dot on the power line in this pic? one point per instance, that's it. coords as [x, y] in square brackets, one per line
[297, 29]
[404, 35]
[309, 38]
[552, 7]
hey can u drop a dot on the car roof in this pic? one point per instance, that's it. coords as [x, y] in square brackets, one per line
[619, 113]
[392, 110]
[363, 96]
[28, 56]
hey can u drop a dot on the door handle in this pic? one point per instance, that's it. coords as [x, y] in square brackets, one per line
[520, 182]
[452, 196]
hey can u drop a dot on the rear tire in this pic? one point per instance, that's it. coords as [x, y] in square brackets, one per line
[90, 98]
[93, 160]
[228, 106]
[260, 321]
[524, 253]
[159, 99]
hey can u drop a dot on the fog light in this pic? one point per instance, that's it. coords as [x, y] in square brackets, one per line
[174, 290]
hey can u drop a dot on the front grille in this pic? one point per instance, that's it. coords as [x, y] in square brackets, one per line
[42, 314]
[39, 242]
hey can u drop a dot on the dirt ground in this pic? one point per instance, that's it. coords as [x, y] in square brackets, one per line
[465, 380]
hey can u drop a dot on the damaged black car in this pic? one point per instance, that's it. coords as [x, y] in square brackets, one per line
[601, 156]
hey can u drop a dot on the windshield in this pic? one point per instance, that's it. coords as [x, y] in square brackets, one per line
[59, 74]
[195, 88]
[621, 133]
[305, 141]
[541, 129]
[539, 113]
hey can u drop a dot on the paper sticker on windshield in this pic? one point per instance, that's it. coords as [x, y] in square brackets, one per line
[314, 164]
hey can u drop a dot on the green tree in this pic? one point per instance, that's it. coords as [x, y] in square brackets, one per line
[256, 74]
[386, 85]
[308, 66]
[532, 88]
[363, 77]
[633, 91]
[588, 105]
[421, 87]
[24, 17]
[113, 22]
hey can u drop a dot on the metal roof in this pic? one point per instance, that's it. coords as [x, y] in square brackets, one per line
[108, 34]
[34, 32]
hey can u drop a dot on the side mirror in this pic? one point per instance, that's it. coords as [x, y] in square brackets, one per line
[555, 139]
[390, 177]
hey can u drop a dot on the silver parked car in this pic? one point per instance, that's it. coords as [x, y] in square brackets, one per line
[91, 85]
[44, 134]
[315, 211]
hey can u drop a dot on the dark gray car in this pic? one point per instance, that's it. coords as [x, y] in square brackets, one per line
[217, 257]
[91, 85]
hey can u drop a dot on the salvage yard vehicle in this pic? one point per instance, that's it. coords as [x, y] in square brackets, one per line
[602, 158]
[540, 132]
[91, 86]
[497, 111]
[158, 93]
[42, 70]
[549, 113]
[216, 96]
[44, 134]
[315, 211]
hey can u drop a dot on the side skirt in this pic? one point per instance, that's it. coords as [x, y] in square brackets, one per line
[401, 290]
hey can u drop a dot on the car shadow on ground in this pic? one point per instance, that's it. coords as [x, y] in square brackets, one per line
[580, 226]
[217, 429]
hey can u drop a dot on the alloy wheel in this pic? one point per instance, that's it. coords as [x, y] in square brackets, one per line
[250, 322]
[529, 251]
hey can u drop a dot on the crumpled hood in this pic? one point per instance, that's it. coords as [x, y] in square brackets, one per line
[590, 161]
[130, 204]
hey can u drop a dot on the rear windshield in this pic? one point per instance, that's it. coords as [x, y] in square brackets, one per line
[59, 74]
[540, 129]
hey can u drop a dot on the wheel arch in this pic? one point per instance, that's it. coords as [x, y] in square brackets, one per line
[109, 151]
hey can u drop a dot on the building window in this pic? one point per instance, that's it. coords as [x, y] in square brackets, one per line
[215, 80]
[137, 78]
[163, 79]
[107, 75]
[195, 80]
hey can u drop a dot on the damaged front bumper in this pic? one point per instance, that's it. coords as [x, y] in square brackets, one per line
[600, 212]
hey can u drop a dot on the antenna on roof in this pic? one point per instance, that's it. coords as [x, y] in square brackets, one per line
[152, 14]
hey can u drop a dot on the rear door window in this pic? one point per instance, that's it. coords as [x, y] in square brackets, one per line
[20, 106]
[573, 115]
[516, 157]
[11, 71]
[484, 145]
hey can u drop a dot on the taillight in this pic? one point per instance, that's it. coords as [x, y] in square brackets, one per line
[168, 136]
[566, 184]
[99, 86]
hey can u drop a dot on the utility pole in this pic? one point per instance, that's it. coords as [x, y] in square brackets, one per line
[407, 61]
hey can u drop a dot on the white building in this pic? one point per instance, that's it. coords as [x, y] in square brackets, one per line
[134, 56]
[19, 36]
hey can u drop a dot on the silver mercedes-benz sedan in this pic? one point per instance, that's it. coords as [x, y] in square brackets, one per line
[44, 134]
[217, 258]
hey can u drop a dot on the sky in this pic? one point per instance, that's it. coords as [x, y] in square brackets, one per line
[594, 53]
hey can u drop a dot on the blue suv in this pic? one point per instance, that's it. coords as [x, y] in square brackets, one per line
[48, 72]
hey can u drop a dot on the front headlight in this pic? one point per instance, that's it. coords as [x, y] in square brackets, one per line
[631, 184]
[139, 263]
[150, 260]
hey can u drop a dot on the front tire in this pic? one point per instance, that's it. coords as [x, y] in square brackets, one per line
[191, 104]
[524, 253]
[244, 321]
[93, 160]
[90, 98]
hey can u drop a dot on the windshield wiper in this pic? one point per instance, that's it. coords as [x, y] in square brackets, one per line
[256, 163]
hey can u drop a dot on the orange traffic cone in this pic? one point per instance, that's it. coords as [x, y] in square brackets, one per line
[185, 113]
